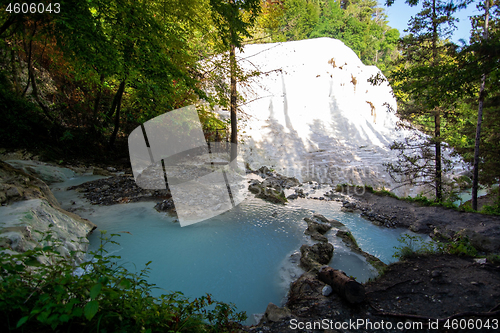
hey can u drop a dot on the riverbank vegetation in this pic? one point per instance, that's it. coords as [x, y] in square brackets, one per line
[416, 246]
[42, 291]
[452, 201]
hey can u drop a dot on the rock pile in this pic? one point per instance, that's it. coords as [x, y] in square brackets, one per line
[118, 189]
[272, 187]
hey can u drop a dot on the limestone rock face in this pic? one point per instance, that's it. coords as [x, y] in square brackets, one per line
[23, 226]
[315, 116]
[45, 172]
[29, 211]
[17, 185]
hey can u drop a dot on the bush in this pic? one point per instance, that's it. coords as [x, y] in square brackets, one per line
[491, 210]
[37, 297]
[493, 259]
[461, 246]
[415, 245]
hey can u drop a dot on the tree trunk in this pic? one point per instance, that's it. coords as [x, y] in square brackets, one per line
[28, 49]
[95, 118]
[116, 101]
[437, 115]
[475, 178]
[118, 97]
[14, 71]
[98, 97]
[346, 287]
[234, 123]
[437, 137]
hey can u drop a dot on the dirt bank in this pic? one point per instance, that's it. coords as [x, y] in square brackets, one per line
[438, 289]
[482, 230]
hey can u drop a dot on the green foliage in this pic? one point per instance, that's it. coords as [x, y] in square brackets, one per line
[105, 298]
[435, 77]
[360, 24]
[213, 126]
[385, 192]
[421, 199]
[93, 72]
[493, 259]
[415, 246]
[420, 83]
[491, 209]
[231, 23]
[460, 246]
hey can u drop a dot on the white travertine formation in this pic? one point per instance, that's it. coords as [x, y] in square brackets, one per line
[314, 115]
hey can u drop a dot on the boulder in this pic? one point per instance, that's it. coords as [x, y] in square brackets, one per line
[350, 241]
[17, 185]
[29, 211]
[25, 224]
[315, 256]
[271, 194]
[315, 227]
[274, 313]
[307, 288]
[165, 206]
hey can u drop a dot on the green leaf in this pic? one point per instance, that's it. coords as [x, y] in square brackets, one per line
[22, 321]
[77, 312]
[42, 317]
[95, 290]
[124, 284]
[91, 309]
[59, 289]
[64, 318]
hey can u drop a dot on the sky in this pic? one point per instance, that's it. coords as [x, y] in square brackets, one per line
[400, 13]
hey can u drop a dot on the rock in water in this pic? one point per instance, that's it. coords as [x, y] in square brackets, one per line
[275, 313]
[165, 206]
[314, 256]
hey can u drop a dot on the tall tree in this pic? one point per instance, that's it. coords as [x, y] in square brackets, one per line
[417, 81]
[475, 179]
[477, 76]
[233, 26]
